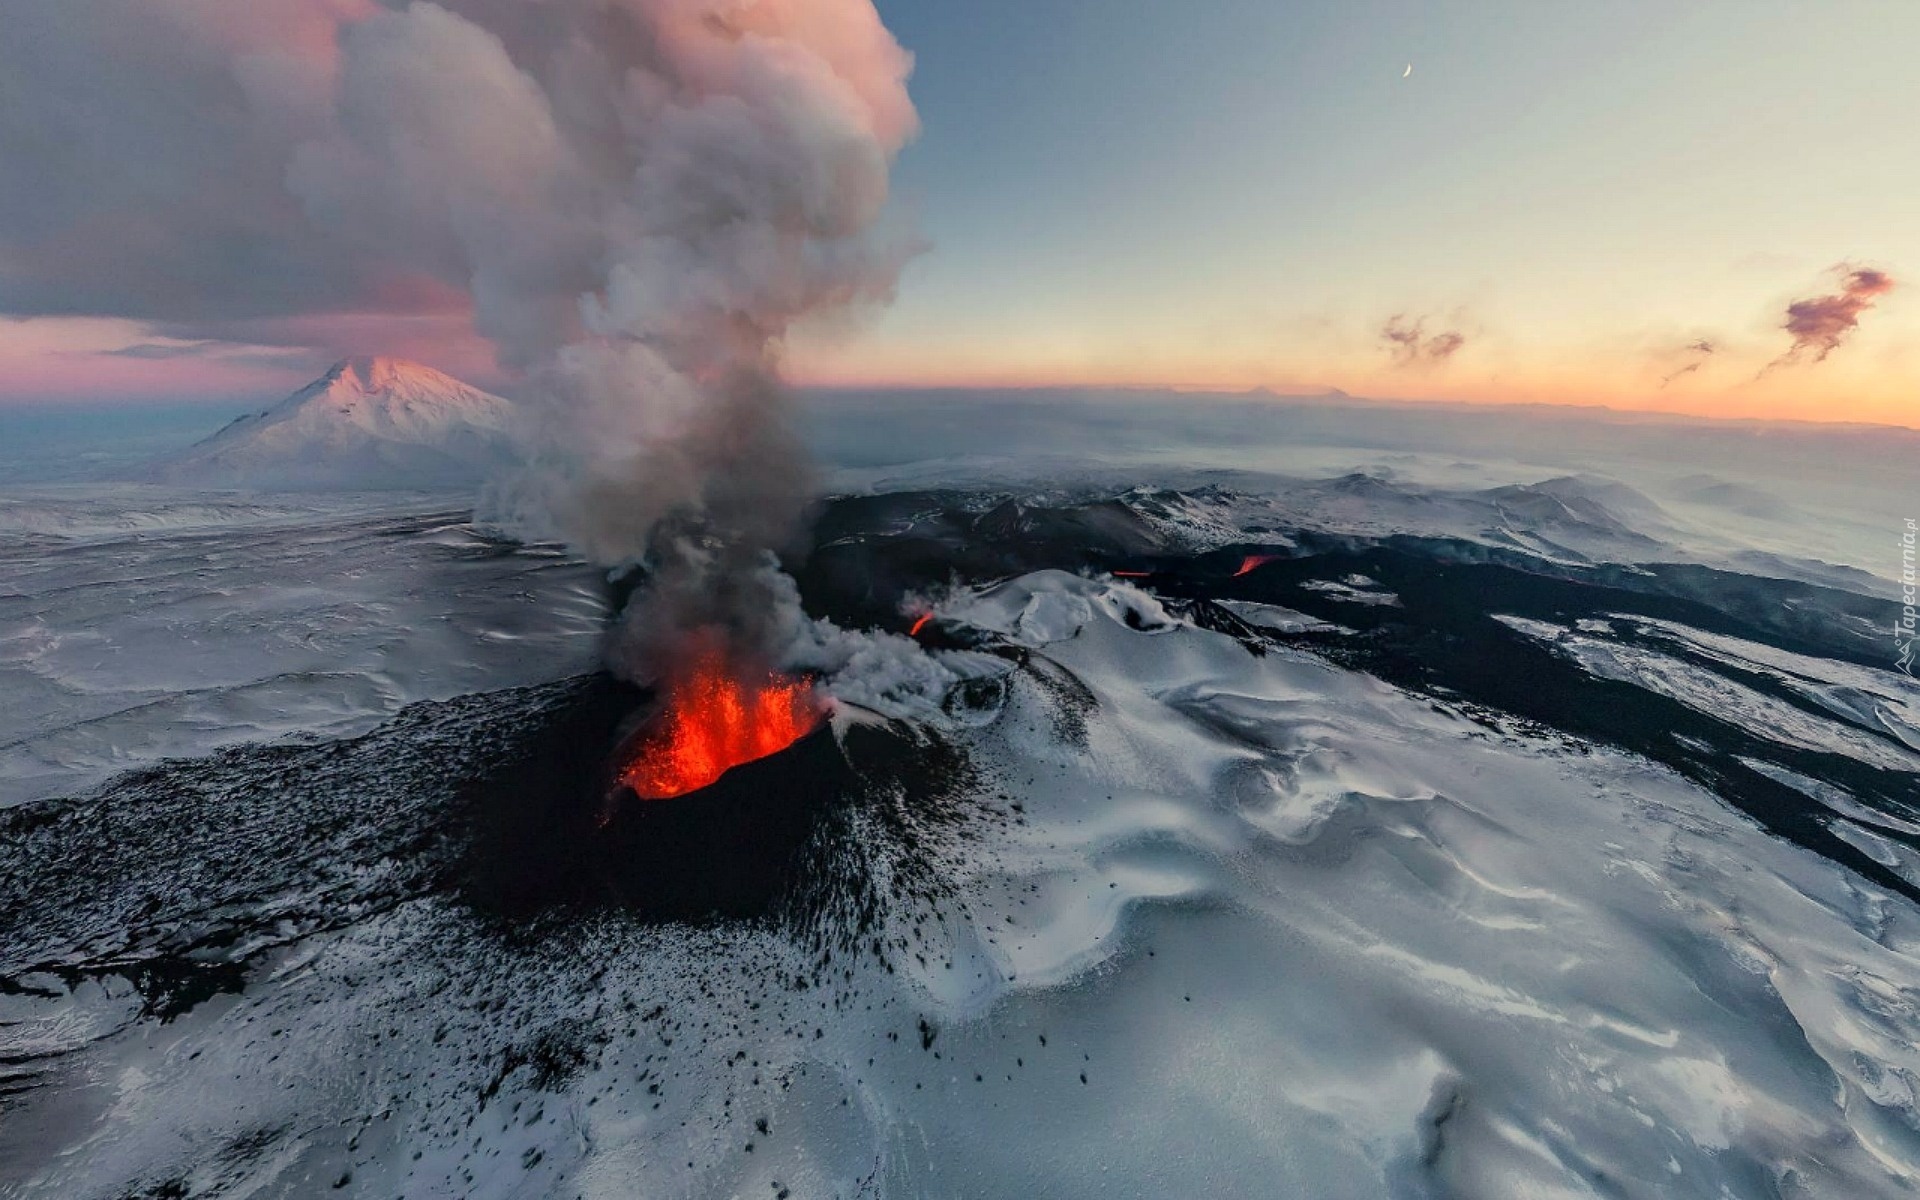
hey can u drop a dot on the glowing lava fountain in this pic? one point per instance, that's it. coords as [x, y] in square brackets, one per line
[714, 720]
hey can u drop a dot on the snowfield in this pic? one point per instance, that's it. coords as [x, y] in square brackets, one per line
[1490, 837]
[1263, 926]
[141, 624]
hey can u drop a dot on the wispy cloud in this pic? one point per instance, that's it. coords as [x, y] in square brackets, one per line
[1695, 355]
[1408, 345]
[1821, 324]
[162, 351]
[215, 350]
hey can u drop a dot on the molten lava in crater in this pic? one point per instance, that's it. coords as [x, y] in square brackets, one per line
[715, 718]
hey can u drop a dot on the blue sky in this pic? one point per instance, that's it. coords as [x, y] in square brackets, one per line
[1236, 191]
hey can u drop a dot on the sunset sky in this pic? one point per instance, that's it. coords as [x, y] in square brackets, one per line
[1615, 203]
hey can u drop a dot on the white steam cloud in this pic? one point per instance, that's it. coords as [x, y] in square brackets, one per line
[644, 200]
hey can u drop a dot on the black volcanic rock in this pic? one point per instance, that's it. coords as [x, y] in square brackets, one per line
[727, 850]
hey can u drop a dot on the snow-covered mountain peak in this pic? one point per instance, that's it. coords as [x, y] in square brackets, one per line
[368, 423]
[393, 391]
[373, 371]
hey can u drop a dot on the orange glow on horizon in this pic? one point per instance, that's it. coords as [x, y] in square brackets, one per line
[1876, 391]
[70, 359]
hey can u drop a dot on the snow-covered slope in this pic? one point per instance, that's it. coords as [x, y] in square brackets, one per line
[367, 424]
[136, 628]
[1254, 924]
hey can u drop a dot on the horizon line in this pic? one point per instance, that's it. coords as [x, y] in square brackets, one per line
[1256, 393]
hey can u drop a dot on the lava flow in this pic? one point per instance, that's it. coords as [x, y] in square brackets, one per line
[713, 721]
[1253, 562]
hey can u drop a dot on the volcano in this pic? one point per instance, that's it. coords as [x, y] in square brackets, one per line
[565, 826]
[732, 848]
[368, 424]
[716, 792]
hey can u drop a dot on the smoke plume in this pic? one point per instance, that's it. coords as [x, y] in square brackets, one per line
[1409, 346]
[1821, 324]
[632, 200]
[644, 198]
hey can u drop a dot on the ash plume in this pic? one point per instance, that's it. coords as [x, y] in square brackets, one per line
[633, 201]
[1409, 346]
[645, 195]
[1821, 324]
[1695, 356]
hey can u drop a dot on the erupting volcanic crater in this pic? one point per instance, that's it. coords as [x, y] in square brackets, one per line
[723, 795]
[714, 716]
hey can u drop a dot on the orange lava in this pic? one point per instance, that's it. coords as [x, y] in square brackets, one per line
[920, 624]
[1133, 574]
[714, 722]
[1253, 562]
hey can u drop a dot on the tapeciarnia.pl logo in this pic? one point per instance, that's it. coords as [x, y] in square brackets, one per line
[1903, 629]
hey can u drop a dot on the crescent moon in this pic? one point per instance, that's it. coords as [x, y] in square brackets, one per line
[1408, 72]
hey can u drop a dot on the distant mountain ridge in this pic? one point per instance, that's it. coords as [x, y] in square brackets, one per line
[370, 423]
